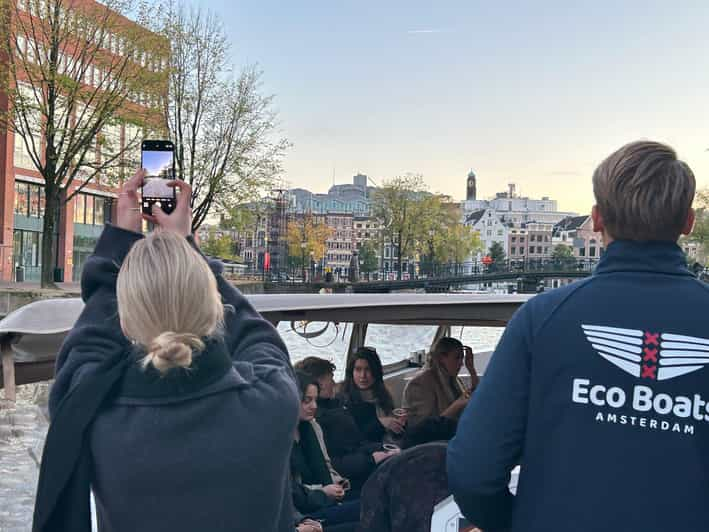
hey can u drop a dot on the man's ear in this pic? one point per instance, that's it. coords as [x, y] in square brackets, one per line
[689, 223]
[598, 225]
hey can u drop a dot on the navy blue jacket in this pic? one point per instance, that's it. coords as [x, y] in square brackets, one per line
[599, 391]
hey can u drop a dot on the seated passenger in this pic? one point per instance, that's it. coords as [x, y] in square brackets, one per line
[351, 453]
[317, 488]
[437, 390]
[368, 399]
[401, 494]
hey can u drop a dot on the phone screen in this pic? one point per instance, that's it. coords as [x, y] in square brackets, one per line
[157, 158]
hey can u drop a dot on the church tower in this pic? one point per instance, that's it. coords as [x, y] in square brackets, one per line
[472, 191]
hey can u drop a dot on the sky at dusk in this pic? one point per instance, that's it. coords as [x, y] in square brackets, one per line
[533, 92]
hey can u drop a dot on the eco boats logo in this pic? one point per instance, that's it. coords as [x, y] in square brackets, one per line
[649, 356]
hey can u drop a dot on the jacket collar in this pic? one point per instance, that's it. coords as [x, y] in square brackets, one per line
[633, 256]
[207, 368]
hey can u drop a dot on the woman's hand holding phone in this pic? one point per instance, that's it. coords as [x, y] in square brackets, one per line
[180, 220]
[129, 215]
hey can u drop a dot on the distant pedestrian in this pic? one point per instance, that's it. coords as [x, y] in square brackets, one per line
[598, 389]
[174, 399]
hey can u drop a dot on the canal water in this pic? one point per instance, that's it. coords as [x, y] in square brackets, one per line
[23, 425]
[392, 342]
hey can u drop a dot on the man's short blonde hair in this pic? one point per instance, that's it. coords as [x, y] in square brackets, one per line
[643, 192]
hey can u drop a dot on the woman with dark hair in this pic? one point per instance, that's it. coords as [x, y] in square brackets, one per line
[368, 399]
[353, 455]
[318, 490]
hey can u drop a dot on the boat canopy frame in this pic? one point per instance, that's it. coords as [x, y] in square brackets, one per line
[31, 336]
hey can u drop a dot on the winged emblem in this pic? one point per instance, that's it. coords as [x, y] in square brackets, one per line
[649, 355]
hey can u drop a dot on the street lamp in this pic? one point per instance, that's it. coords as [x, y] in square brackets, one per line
[312, 266]
[303, 245]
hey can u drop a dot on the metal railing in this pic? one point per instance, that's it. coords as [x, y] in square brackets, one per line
[425, 271]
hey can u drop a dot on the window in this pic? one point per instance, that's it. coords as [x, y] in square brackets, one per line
[592, 251]
[79, 206]
[582, 252]
[531, 238]
[489, 232]
[34, 200]
[21, 198]
[539, 250]
[514, 239]
[513, 250]
[89, 210]
[21, 153]
[499, 232]
[111, 140]
[521, 239]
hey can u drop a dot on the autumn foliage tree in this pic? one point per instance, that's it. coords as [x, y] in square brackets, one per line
[399, 205]
[307, 238]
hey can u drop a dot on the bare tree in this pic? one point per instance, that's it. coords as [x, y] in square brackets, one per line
[74, 71]
[224, 128]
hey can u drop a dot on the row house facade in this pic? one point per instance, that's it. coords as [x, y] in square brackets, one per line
[530, 241]
[577, 233]
[22, 198]
[340, 245]
[491, 226]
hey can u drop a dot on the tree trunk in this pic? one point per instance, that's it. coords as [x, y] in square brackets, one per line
[51, 215]
[398, 253]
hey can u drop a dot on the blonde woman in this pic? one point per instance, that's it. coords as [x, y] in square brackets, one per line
[437, 390]
[173, 398]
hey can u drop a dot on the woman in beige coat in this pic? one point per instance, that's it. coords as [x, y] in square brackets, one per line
[437, 390]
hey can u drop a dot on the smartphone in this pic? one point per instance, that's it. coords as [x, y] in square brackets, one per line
[157, 157]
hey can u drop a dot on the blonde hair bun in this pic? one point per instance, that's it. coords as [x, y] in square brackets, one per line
[167, 314]
[172, 350]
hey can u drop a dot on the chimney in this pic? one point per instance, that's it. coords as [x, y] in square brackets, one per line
[512, 190]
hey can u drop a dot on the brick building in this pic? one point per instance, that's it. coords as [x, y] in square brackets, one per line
[22, 199]
[577, 233]
[528, 241]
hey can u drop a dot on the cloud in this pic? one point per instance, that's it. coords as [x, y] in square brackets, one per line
[414, 32]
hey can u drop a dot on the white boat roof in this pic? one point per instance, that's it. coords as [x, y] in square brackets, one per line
[35, 331]
[53, 316]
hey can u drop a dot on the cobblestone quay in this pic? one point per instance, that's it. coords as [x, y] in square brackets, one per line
[23, 427]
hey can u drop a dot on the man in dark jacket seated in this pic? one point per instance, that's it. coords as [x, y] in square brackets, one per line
[352, 455]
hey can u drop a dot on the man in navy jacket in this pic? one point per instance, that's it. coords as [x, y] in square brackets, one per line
[600, 389]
